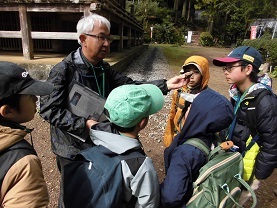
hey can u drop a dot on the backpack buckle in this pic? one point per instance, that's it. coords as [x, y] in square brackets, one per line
[226, 145]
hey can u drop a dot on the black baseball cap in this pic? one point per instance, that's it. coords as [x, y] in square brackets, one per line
[16, 80]
[242, 53]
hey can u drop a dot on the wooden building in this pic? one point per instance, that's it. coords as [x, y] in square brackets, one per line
[50, 25]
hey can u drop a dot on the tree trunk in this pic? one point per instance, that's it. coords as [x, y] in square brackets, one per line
[184, 10]
[176, 6]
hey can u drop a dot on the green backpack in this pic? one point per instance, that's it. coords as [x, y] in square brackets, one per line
[219, 182]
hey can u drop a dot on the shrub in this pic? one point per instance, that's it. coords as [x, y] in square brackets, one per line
[274, 73]
[266, 46]
[206, 39]
[146, 38]
[167, 33]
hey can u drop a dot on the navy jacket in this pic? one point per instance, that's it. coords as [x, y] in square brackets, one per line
[210, 112]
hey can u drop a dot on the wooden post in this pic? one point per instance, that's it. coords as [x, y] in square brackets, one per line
[56, 24]
[25, 26]
[120, 31]
[129, 43]
[87, 11]
[135, 37]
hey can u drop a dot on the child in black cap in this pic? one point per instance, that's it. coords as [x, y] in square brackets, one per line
[21, 178]
[241, 68]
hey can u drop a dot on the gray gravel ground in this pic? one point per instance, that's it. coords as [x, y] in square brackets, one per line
[152, 65]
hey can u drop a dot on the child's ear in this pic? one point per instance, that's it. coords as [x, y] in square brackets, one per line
[249, 69]
[6, 112]
[143, 123]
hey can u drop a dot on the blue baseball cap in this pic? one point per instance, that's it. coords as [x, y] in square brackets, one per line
[242, 53]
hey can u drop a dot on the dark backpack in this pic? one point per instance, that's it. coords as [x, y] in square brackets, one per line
[10, 156]
[219, 182]
[94, 178]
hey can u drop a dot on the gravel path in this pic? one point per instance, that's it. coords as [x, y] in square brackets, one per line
[152, 65]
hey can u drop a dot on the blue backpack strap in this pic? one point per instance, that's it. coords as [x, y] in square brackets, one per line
[231, 129]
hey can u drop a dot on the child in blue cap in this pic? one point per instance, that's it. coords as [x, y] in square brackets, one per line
[241, 68]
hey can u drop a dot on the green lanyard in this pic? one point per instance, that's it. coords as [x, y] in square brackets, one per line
[102, 93]
[103, 81]
[103, 76]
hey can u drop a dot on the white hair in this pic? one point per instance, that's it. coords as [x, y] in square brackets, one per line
[86, 24]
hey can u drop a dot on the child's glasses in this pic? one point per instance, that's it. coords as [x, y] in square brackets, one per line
[230, 68]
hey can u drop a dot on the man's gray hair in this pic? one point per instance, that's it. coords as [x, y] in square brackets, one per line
[86, 24]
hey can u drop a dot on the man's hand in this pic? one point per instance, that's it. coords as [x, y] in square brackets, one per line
[178, 81]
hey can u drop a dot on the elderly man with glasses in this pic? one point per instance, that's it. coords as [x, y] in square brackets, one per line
[87, 67]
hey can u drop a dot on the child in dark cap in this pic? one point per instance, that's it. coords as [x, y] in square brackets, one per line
[241, 68]
[21, 178]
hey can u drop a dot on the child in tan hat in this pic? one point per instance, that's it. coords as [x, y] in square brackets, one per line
[197, 70]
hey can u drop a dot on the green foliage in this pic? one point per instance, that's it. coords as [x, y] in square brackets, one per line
[175, 55]
[206, 39]
[145, 10]
[230, 22]
[146, 38]
[166, 32]
[152, 14]
[266, 46]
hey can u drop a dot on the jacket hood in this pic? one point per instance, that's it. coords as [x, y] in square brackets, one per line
[10, 136]
[210, 113]
[203, 66]
[114, 142]
[264, 82]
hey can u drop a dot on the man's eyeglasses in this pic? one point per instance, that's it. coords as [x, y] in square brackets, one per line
[101, 37]
[229, 68]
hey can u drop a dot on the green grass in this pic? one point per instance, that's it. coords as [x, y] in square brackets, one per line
[175, 55]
